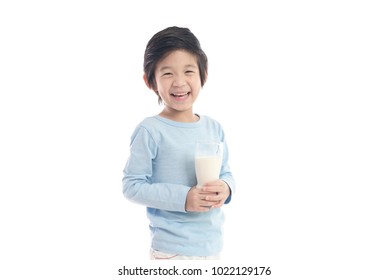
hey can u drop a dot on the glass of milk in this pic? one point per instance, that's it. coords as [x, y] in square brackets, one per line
[208, 161]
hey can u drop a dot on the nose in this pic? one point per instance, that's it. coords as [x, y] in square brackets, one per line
[179, 80]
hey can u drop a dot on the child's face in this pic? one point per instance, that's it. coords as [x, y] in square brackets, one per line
[178, 81]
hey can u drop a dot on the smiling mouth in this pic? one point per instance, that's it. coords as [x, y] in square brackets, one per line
[178, 95]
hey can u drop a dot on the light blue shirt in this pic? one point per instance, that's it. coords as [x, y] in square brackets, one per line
[159, 173]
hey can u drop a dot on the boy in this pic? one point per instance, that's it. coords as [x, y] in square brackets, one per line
[185, 220]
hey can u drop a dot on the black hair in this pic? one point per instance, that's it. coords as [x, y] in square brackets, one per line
[168, 40]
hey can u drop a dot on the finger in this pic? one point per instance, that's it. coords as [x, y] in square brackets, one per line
[208, 204]
[215, 183]
[218, 205]
[203, 209]
[213, 188]
[205, 194]
[216, 197]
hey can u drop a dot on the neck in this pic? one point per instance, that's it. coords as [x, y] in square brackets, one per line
[186, 116]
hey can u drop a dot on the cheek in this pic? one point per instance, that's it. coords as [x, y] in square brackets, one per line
[195, 81]
[161, 85]
[196, 86]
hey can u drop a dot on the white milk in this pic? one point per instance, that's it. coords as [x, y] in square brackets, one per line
[207, 169]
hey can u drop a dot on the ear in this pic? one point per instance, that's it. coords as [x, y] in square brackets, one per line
[146, 82]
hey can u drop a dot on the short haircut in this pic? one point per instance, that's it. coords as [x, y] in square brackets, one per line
[166, 41]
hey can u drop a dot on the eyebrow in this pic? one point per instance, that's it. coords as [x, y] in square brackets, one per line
[169, 67]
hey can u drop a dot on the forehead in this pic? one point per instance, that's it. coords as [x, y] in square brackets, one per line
[178, 58]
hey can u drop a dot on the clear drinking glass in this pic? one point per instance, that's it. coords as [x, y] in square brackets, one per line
[208, 161]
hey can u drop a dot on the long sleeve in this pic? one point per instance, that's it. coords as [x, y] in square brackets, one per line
[137, 181]
[159, 173]
[225, 172]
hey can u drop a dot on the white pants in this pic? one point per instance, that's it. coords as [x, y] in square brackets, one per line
[158, 255]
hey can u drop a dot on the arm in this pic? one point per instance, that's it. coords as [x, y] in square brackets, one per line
[137, 180]
[226, 175]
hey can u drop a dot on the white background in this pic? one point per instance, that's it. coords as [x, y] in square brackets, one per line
[300, 87]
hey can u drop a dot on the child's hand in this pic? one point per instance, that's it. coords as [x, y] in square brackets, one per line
[211, 195]
[218, 192]
[196, 200]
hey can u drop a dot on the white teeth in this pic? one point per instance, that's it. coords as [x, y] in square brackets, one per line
[179, 95]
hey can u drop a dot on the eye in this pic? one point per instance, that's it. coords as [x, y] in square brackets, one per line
[166, 74]
[189, 72]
